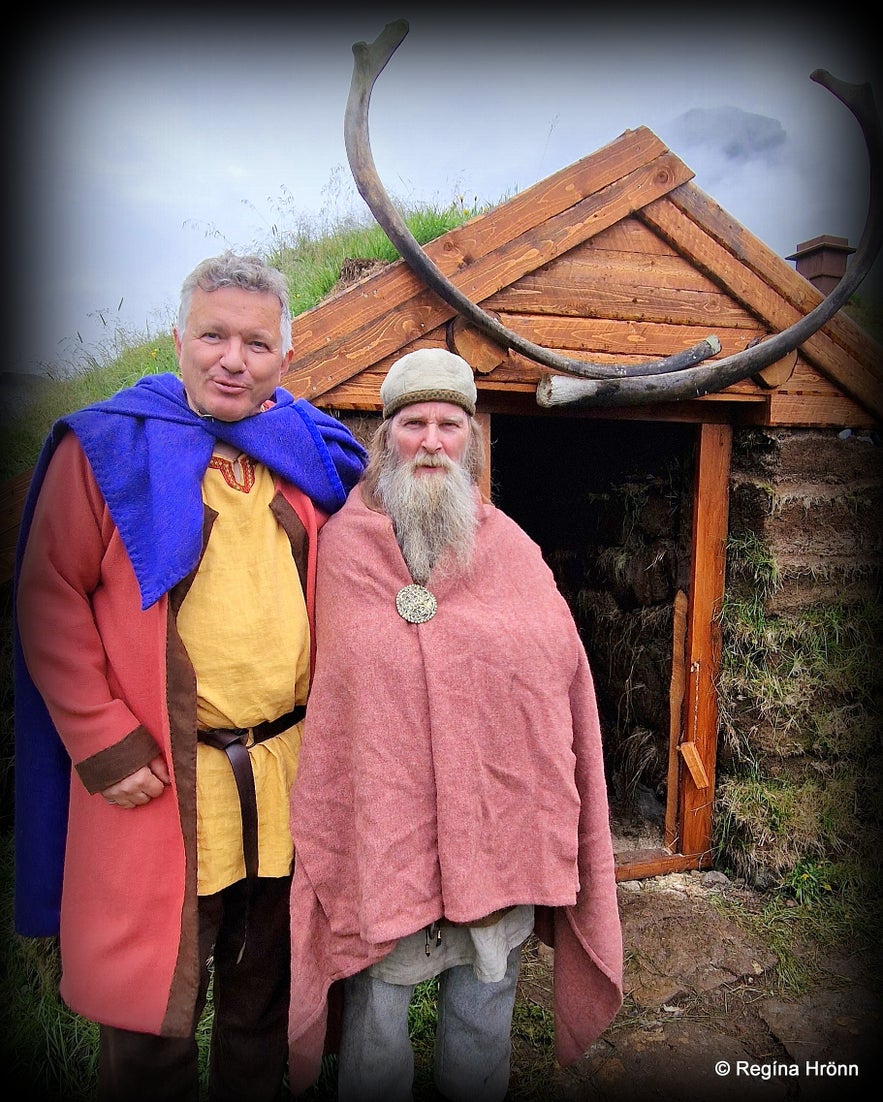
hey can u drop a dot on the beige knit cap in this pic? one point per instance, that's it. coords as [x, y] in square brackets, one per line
[428, 375]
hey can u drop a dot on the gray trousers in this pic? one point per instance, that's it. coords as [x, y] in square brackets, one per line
[473, 1041]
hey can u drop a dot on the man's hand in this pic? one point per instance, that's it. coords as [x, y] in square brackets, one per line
[141, 787]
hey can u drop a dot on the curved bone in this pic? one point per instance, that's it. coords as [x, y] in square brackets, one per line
[710, 378]
[677, 377]
[370, 60]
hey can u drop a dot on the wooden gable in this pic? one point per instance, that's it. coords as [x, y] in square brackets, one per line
[618, 258]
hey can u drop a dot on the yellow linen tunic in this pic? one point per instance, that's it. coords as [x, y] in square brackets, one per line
[244, 624]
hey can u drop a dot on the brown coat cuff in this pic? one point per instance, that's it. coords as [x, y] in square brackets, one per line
[110, 766]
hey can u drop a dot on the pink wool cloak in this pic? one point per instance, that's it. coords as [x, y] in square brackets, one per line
[452, 767]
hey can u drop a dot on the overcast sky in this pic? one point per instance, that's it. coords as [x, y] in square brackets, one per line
[142, 146]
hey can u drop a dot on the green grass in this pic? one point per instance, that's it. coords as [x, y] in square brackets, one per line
[312, 262]
[818, 912]
[46, 1047]
[814, 674]
[95, 379]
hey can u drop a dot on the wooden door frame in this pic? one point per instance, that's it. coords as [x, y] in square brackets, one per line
[688, 842]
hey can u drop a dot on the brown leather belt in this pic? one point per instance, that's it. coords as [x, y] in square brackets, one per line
[232, 741]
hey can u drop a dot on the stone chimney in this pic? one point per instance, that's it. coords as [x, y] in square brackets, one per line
[822, 261]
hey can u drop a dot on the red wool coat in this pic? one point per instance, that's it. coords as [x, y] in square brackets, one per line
[129, 907]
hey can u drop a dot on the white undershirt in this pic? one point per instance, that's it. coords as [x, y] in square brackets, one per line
[486, 948]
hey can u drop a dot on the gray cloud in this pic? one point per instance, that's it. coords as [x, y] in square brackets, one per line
[730, 132]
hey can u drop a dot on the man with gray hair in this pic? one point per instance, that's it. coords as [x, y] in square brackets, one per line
[164, 652]
[450, 799]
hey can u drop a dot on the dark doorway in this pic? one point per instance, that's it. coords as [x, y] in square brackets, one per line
[609, 503]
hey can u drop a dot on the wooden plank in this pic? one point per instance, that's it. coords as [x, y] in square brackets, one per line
[862, 379]
[481, 352]
[707, 576]
[361, 394]
[327, 356]
[516, 379]
[591, 263]
[777, 373]
[806, 379]
[817, 411]
[630, 235]
[677, 686]
[609, 295]
[518, 368]
[637, 864]
[319, 328]
[646, 340]
[693, 761]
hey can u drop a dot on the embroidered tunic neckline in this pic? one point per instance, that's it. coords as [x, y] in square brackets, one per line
[227, 468]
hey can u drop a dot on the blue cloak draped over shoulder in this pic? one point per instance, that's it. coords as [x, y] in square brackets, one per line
[148, 451]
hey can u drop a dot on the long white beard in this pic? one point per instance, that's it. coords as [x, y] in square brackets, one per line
[434, 516]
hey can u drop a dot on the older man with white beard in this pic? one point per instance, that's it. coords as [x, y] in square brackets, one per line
[450, 799]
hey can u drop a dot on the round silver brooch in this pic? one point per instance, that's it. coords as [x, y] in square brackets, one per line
[416, 604]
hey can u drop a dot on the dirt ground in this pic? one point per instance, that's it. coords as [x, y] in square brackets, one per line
[702, 1019]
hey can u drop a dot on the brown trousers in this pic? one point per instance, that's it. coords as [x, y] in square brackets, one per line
[249, 1042]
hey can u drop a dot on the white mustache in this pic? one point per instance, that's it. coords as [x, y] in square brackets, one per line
[432, 461]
